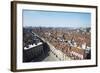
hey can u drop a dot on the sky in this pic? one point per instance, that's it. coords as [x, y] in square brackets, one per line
[36, 18]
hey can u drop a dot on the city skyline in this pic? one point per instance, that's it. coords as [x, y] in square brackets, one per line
[35, 18]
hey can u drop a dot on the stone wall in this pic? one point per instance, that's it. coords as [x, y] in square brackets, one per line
[36, 54]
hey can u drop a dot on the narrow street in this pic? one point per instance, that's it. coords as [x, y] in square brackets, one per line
[51, 57]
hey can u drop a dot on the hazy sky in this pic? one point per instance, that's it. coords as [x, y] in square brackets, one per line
[55, 19]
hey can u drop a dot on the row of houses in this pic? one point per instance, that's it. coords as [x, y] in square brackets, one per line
[72, 43]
